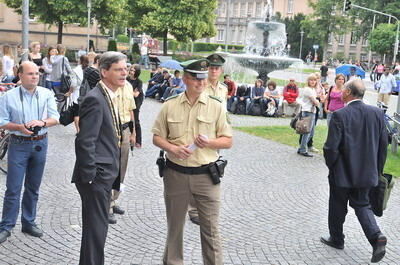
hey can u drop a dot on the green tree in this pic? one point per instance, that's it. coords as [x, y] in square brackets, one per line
[381, 39]
[112, 45]
[326, 19]
[60, 12]
[186, 20]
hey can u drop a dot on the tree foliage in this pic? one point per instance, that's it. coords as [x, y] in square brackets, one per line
[327, 18]
[184, 19]
[381, 39]
[106, 12]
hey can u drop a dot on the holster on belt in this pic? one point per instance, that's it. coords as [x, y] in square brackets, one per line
[161, 163]
[217, 169]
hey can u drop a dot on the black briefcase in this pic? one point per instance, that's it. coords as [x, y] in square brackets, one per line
[379, 195]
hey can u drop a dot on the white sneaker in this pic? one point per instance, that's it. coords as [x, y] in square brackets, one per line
[313, 149]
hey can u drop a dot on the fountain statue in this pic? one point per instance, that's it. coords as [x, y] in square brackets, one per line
[265, 49]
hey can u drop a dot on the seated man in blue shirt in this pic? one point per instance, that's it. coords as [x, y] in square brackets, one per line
[26, 112]
[176, 86]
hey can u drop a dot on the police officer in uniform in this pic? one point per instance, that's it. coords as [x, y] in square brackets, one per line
[191, 128]
[215, 87]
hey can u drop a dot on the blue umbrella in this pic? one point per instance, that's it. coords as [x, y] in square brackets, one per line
[347, 69]
[171, 64]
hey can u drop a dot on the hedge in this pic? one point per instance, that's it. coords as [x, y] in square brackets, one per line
[112, 45]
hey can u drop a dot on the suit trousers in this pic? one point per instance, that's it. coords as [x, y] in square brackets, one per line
[26, 160]
[178, 189]
[124, 164]
[95, 205]
[358, 199]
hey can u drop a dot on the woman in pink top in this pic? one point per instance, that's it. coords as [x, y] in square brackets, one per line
[334, 97]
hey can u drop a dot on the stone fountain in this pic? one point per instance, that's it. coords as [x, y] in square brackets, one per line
[265, 49]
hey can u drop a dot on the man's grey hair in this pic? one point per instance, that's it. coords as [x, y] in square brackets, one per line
[108, 58]
[356, 87]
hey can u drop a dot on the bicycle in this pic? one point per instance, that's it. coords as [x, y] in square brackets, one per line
[391, 122]
[4, 140]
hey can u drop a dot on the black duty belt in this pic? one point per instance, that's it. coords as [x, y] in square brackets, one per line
[188, 170]
[29, 138]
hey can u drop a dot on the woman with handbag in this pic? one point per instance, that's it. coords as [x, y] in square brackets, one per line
[334, 97]
[308, 101]
[61, 70]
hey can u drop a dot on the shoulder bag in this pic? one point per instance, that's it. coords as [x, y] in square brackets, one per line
[65, 80]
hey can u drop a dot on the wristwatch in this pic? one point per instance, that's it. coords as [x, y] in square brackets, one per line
[45, 124]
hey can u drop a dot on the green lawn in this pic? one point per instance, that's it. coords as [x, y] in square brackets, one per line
[286, 135]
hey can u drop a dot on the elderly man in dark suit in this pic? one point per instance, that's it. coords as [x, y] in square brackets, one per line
[355, 153]
[98, 155]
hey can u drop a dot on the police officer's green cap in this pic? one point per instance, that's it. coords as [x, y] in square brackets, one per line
[197, 68]
[216, 60]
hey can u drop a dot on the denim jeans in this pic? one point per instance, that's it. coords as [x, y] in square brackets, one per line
[25, 159]
[305, 137]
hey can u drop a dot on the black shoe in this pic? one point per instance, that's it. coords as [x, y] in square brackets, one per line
[3, 235]
[379, 250]
[111, 219]
[32, 230]
[305, 154]
[327, 240]
[195, 220]
[118, 210]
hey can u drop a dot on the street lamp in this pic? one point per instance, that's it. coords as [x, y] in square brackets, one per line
[301, 43]
[89, 6]
[25, 29]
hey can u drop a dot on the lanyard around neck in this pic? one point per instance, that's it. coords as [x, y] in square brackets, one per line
[21, 97]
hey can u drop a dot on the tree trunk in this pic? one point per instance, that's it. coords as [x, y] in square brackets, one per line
[60, 32]
[325, 51]
[165, 43]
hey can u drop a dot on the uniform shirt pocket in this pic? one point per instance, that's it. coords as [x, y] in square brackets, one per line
[206, 126]
[175, 128]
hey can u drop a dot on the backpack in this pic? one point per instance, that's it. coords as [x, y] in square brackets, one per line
[255, 109]
[241, 108]
[271, 110]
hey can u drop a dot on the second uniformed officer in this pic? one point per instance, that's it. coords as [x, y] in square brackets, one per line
[215, 87]
[191, 127]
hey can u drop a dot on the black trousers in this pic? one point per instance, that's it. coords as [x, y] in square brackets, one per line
[358, 199]
[95, 208]
[138, 128]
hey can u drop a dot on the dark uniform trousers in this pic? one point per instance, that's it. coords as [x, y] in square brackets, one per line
[95, 205]
[178, 190]
[358, 199]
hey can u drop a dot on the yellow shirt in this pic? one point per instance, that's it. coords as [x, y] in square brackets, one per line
[125, 102]
[180, 123]
[220, 91]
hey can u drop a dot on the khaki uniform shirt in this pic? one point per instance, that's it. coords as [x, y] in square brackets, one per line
[125, 102]
[220, 91]
[180, 123]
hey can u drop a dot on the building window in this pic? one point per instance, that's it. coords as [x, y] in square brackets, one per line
[221, 34]
[364, 42]
[290, 6]
[240, 37]
[250, 9]
[236, 10]
[353, 39]
[258, 9]
[243, 9]
[341, 39]
[233, 32]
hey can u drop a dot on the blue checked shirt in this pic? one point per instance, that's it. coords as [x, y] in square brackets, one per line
[37, 106]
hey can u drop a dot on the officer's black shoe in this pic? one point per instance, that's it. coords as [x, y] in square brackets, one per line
[3, 235]
[378, 248]
[118, 210]
[111, 219]
[195, 220]
[32, 230]
[327, 240]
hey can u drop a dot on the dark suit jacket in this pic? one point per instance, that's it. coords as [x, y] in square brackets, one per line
[355, 150]
[96, 145]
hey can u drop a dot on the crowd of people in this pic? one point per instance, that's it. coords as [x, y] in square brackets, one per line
[192, 128]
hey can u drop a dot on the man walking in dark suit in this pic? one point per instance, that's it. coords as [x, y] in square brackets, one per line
[97, 155]
[355, 153]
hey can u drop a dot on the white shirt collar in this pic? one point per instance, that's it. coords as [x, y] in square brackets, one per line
[354, 100]
[109, 91]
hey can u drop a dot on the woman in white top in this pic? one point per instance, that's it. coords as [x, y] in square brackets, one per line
[47, 66]
[308, 101]
[76, 81]
[60, 65]
[8, 64]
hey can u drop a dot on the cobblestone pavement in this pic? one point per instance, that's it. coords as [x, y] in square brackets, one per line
[274, 209]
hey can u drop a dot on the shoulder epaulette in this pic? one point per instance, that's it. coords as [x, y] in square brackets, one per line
[222, 83]
[171, 97]
[216, 98]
